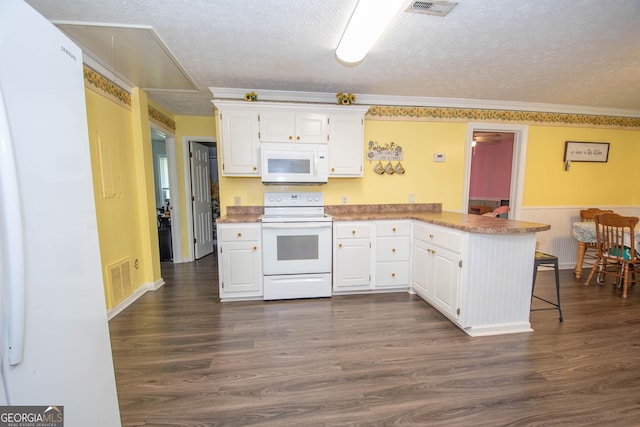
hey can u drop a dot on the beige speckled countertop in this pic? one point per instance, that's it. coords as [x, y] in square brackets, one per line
[242, 214]
[426, 212]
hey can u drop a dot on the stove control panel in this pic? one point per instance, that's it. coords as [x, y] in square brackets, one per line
[293, 199]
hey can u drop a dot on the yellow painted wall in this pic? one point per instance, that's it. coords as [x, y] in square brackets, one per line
[428, 181]
[126, 221]
[110, 136]
[120, 142]
[191, 126]
[546, 184]
[586, 183]
[141, 143]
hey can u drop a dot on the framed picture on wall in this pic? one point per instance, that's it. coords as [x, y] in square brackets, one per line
[575, 151]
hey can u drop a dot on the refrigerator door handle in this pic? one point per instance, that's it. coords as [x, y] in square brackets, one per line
[14, 240]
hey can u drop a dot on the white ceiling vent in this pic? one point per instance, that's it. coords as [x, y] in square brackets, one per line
[437, 8]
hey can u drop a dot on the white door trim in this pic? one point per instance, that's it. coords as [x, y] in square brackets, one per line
[521, 136]
[186, 167]
[174, 189]
[176, 230]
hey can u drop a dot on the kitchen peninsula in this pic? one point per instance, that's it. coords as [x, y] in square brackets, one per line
[475, 270]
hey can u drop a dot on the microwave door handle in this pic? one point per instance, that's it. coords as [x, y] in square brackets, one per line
[296, 225]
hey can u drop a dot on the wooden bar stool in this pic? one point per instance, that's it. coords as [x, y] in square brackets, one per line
[547, 260]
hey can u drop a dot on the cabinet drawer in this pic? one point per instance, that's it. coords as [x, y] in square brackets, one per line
[393, 228]
[441, 236]
[346, 231]
[238, 233]
[392, 273]
[448, 239]
[393, 249]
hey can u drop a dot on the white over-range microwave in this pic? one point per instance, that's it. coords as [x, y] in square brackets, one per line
[294, 163]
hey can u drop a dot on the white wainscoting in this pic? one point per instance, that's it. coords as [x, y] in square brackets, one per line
[559, 241]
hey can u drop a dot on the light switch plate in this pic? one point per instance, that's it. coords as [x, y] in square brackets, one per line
[438, 157]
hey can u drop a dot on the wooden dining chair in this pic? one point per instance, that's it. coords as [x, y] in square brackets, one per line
[591, 249]
[615, 235]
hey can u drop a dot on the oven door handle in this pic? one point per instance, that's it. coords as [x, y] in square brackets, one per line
[296, 225]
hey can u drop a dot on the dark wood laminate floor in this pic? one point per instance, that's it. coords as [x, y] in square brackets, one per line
[182, 358]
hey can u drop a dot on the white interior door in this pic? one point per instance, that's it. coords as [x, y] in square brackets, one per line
[201, 200]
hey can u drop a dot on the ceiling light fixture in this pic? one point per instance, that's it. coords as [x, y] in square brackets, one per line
[368, 21]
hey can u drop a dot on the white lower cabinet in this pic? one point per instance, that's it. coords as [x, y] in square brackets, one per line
[239, 261]
[392, 254]
[437, 264]
[351, 256]
[446, 280]
[480, 281]
[421, 282]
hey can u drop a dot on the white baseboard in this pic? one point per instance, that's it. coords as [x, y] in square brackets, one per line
[133, 297]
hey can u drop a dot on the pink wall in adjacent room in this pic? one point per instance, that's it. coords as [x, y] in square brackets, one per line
[491, 170]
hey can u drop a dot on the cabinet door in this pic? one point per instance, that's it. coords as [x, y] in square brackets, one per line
[240, 267]
[446, 280]
[352, 259]
[240, 144]
[346, 145]
[277, 126]
[311, 128]
[421, 258]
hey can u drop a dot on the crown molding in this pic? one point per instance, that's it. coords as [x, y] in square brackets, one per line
[274, 95]
[108, 74]
[418, 101]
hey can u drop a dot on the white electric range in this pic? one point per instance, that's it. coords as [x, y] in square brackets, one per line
[296, 246]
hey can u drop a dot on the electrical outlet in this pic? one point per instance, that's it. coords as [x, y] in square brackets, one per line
[237, 201]
[412, 198]
[345, 200]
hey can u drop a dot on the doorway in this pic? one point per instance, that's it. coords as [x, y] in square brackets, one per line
[490, 175]
[205, 204]
[494, 167]
[162, 178]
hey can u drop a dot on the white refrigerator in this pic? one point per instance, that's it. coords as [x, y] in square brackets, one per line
[55, 347]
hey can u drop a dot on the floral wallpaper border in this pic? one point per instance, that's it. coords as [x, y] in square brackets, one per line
[507, 116]
[98, 83]
[95, 81]
[161, 119]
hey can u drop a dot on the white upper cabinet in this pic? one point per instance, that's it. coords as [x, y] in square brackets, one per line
[290, 126]
[239, 142]
[346, 144]
[244, 126]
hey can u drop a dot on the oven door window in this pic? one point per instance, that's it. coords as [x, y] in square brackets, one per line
[291, 248]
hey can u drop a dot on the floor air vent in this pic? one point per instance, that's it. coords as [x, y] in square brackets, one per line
[436, 8]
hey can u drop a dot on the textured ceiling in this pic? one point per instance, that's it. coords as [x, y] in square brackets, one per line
[571, 52]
